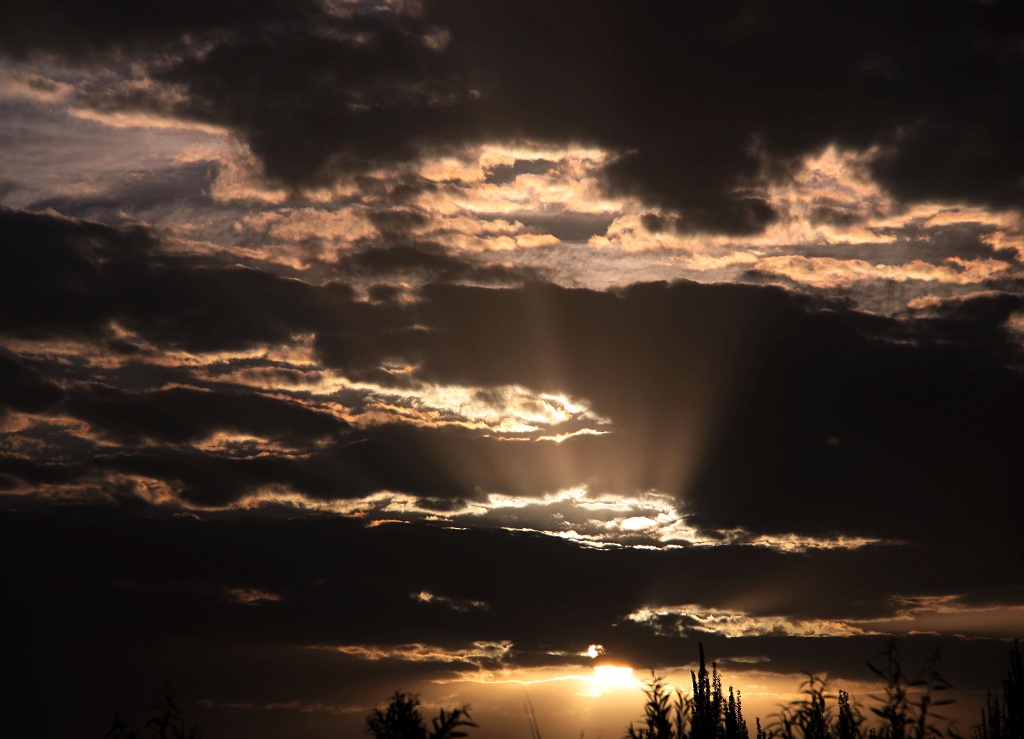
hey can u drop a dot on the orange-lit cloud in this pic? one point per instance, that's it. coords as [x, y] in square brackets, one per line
[481, 652]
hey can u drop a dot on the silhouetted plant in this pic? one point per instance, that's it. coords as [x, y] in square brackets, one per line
[807, 718]
[704, 715]
[735, 725]
[850, 719]
[666, 714]
[402, 720]
[761, 733]
[707, 700]
[1005, 720]
[167, 722]
[531, 718]
[906, 710]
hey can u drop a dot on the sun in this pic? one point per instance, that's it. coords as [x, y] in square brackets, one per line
[613, 676]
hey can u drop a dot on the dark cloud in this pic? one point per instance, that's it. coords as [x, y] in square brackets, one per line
[66, 278]
[139, 192]
[425, 262]
[566, 226]
[694, 102]
[503, 174]
[397, 222]
[54, 274]
[182, 414]
[92, 27]
[23, 388]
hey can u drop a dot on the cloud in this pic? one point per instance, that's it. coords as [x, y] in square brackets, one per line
[455, 604]
[108, 27]
[694, 107]
[680, 619]
[820, 405]
[477, 654]
[183, 414]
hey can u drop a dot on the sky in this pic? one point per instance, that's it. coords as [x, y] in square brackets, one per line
[462, 347]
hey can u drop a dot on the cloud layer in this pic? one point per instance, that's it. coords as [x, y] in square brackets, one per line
[348, 345]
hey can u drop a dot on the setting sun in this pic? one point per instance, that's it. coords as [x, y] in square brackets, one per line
[613, 676]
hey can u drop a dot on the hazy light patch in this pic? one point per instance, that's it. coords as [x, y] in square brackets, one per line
[588, 683]
[460, 605]
[523, 676]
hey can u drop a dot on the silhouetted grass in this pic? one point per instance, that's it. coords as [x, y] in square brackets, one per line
[906, 708]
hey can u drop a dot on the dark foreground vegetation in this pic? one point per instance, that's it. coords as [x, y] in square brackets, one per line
[906, 707]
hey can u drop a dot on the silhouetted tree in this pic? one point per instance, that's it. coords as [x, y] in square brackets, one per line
[402, 720]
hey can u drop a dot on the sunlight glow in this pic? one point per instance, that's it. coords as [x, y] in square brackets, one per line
[613, 676]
